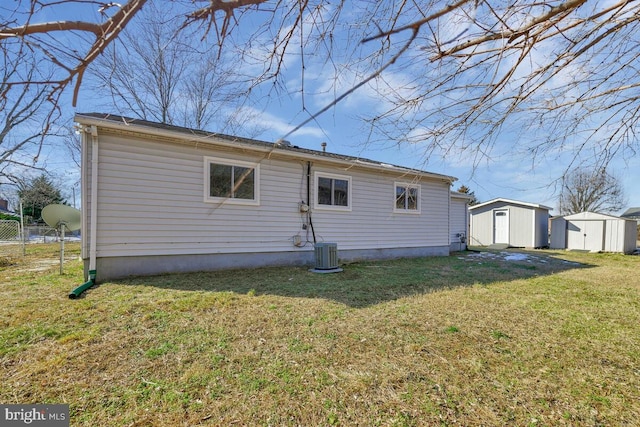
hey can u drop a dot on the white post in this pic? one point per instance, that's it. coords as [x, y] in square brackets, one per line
[24, 249]
[62, 227]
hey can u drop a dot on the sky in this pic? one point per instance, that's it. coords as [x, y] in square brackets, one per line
[505, 173]
[507, 177]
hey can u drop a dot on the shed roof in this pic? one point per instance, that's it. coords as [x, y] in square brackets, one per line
[511, 202]
[592, 216]
[116, 121]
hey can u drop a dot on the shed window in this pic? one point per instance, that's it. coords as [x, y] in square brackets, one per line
[333, 191]
[407, 198]
[231, 181]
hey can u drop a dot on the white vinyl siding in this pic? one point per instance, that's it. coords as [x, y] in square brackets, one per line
[373, 224]
[458, 220]
[150, 202]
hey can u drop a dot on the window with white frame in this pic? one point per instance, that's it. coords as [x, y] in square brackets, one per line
[231, 181]
[333, 191]
[407, 197]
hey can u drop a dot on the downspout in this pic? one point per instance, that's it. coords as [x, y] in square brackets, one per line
[91, 280]
[449, 217]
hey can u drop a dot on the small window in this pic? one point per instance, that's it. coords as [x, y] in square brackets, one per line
[231, 181]
[407, 198]
[333, 191]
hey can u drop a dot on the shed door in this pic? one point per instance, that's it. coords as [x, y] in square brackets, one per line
[585, 235]
[501, 226]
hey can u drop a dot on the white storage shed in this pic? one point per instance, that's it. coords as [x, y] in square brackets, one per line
[509, 222]
[593, 232]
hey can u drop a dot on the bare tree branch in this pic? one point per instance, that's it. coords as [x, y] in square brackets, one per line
[586, 190]
[356, 87]
[19, 110]
[449, 76]
[51, 27]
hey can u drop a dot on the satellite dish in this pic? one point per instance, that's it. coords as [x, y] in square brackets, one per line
[65, 218]
[62, 216]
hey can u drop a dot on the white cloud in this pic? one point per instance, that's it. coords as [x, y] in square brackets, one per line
[277, 126]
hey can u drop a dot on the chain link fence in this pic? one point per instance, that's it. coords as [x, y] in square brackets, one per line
[11, 242]
[13, 239]
[41, 234]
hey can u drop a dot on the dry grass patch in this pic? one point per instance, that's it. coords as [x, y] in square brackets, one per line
[470, 339]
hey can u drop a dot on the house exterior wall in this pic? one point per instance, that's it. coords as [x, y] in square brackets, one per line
[459, 223]
[152, 217]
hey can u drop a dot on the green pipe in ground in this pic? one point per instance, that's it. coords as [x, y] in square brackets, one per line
[80, 289]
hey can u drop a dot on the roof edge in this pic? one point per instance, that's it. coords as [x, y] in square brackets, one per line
[594, 216]
[513, 202]
[158, 129]
[461, 195]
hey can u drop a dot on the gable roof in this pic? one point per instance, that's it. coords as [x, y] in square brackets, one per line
[633, 213]
[283, 147]
[511, 202]
[459, 195]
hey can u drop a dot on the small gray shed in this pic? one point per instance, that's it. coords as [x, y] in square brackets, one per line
[594, 232]
[509, 222]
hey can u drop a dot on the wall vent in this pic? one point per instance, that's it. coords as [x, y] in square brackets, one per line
[326, 256]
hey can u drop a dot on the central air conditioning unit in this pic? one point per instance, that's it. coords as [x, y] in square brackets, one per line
[326, 256]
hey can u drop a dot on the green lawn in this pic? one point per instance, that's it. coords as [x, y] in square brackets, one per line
[470, 339]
